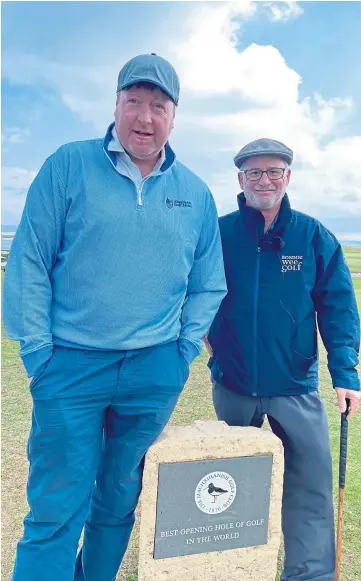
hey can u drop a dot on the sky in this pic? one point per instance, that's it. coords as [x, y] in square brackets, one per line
[285, 70]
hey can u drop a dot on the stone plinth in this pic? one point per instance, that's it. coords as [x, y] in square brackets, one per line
[211, 505]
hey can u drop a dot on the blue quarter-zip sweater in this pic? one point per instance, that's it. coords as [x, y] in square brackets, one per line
[281, 284]
[96, 264]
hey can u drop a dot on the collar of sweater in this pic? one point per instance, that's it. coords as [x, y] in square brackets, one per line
[169, 154]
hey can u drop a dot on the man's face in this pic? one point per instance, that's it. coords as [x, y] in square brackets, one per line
[144, 119]
[266, 192]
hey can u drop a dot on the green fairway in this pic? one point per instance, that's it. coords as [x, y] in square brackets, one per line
[357, 285]
[195, 403]
[353, 257]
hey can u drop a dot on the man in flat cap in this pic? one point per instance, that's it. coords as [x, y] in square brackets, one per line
[114, 276]
[284, 272]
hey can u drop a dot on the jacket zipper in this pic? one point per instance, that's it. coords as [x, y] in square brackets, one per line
[255, 321]
[139, 189]
[139, 193]
[139, 196]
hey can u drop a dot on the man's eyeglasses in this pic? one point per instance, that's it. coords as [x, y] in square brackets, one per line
[273, 173]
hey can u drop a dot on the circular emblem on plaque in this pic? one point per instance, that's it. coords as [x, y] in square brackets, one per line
[215, 492]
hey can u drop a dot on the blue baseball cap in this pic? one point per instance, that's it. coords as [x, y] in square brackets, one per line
[150, 68]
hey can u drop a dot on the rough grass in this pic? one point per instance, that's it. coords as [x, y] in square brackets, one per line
[195, 403]
[353, 257]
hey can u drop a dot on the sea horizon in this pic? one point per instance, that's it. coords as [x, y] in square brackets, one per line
[6, 243]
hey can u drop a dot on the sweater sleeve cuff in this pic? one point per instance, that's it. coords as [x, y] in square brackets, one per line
[187, 349]
[35, 361]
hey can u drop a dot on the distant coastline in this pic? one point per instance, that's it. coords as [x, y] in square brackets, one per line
[5, 244]
[350, 242]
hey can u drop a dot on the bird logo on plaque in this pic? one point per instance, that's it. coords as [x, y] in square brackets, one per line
[215, 492]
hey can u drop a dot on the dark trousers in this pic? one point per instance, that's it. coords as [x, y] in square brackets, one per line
[95, 414]
[307, 511]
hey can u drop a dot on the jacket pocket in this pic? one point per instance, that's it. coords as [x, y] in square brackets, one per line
[304, 345]
[40, 374]
[185, 369]
[216, 371]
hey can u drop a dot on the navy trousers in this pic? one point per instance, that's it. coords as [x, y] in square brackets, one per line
[95, 414]
[307, 509]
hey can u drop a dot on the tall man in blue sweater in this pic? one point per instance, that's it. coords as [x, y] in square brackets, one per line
[284, 272]
[114, 277]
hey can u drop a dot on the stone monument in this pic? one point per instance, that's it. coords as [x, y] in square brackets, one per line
[211, 505]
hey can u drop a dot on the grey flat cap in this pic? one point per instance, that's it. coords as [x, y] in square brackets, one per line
[264, 146]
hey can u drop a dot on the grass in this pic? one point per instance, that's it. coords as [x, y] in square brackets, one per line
[195, 403]
[353, 257]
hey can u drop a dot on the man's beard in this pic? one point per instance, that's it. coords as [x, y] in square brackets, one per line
[262, 202]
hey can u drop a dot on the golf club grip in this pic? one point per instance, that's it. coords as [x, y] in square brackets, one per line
[343, 445]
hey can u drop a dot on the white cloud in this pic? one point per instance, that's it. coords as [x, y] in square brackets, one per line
[302, 125]
[14, 136]
[285, 11]
[88, 91]
[211, 64]
[16, 178]
[15, 182]
[209, 47]
[243, 94]
[326, 174]
[333, 184]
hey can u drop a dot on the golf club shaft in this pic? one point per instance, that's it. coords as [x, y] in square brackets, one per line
[339, 533]
[342, 478]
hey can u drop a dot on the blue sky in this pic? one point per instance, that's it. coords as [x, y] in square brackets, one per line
[285, 70]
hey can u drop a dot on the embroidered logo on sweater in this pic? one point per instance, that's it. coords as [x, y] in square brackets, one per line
[178, 203]
[291, 263]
